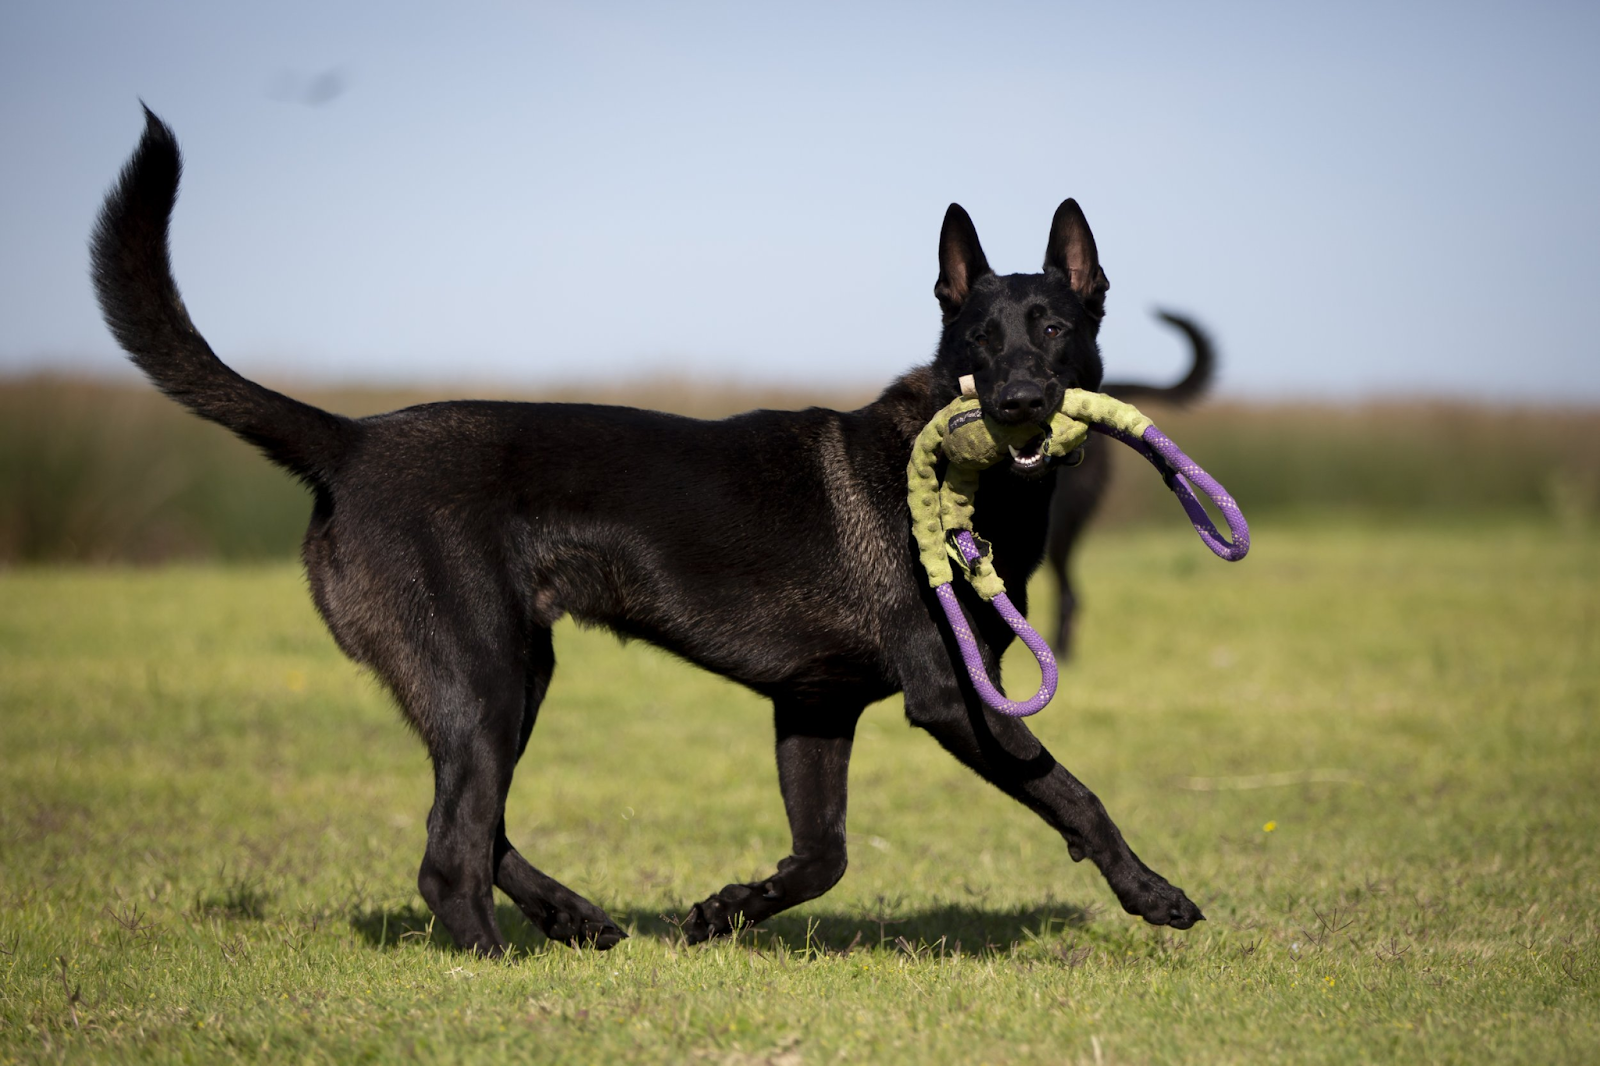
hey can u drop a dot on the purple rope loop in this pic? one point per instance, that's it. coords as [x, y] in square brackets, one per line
[1183, 475]
[973, 658]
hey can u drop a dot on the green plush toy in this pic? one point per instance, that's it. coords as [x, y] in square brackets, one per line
[972, 442]
[941, 514]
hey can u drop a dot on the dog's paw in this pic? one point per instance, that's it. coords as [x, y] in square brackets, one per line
[718, 915]
[1151, 897]
[584, 930]
[488, 949]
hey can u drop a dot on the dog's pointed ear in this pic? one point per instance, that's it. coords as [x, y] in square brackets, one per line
[961, 261]
[1071, 250]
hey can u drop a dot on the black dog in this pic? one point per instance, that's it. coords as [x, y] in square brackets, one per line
[1079, 488]
[446, 539]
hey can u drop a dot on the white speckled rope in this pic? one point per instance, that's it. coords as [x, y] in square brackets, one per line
[973, 657]
[1183, 475]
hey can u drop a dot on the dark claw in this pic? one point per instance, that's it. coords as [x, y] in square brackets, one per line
[1181, 919]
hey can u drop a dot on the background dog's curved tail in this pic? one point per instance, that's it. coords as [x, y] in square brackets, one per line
[139, 299]
[1193, 385]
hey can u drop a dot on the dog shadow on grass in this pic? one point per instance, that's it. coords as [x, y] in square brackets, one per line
[884, 926]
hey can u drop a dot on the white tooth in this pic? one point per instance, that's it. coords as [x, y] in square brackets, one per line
[1014, 453]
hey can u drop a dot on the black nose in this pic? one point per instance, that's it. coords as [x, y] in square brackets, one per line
[1021, 401]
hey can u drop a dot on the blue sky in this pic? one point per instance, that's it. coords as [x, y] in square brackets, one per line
[1359, 200]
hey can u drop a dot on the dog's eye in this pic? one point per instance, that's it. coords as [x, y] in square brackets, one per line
[981, 340]
[1052, 330]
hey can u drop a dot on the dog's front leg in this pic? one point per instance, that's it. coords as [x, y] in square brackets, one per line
[1005, 752]
[814, 743]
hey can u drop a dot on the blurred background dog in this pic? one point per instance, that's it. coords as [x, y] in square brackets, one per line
[1079, 488]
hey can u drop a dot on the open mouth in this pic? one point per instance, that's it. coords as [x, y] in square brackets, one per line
[1029, 458]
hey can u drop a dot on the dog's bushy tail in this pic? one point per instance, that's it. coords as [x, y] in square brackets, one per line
[139, 299]
[1193, 385]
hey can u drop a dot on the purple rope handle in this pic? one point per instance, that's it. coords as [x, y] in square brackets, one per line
[1183, 475]
[974, 658]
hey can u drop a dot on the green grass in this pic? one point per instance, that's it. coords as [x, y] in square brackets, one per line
[210, 825]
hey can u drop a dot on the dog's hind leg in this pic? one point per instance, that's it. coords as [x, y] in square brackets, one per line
[1006, 753]
[814, 743]
[1077, 494]
[560, 913]
[1058, 553]
[478, 725]
[473, 723]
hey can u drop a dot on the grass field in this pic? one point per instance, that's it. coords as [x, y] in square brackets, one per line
[1371, 754]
